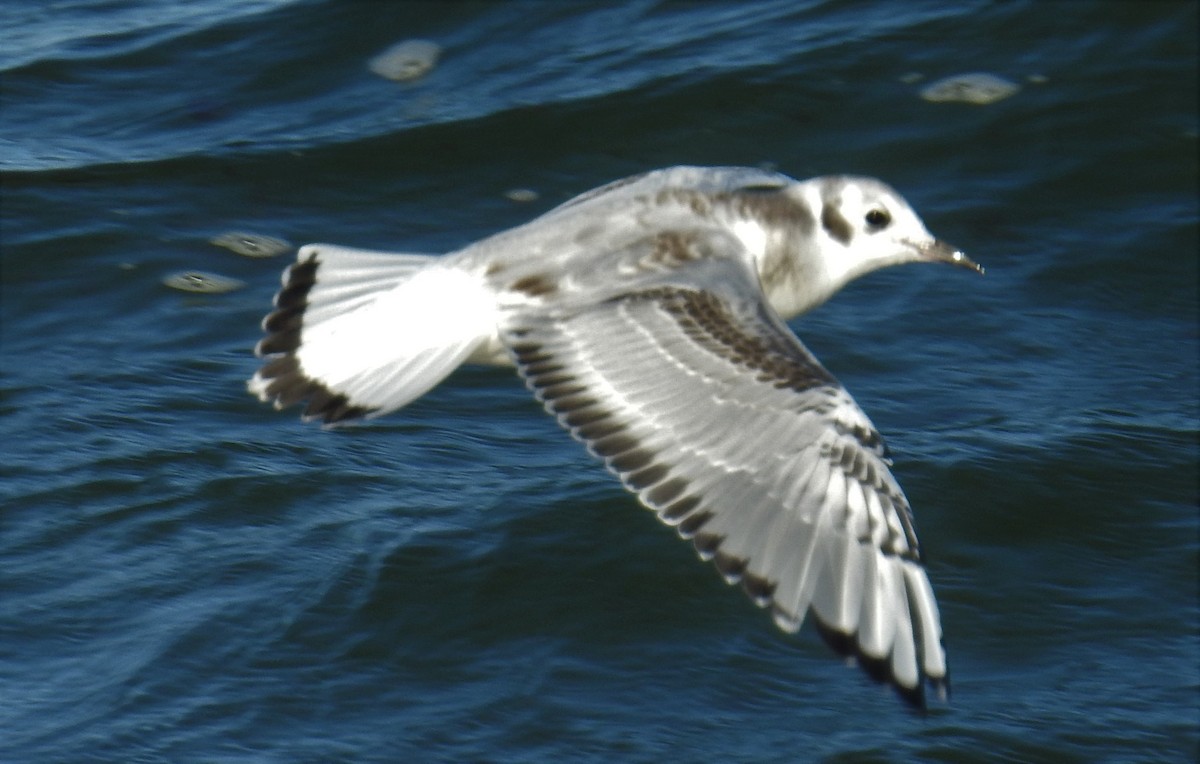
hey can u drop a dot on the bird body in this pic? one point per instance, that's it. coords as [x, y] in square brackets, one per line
[648, 317]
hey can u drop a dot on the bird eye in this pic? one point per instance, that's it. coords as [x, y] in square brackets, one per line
[878, 218]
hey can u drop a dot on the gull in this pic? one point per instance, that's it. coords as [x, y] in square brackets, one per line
[648, 317]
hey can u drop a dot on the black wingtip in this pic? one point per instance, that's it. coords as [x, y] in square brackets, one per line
[878, 669]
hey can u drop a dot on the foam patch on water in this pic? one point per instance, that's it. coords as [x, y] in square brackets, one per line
[406, 60]
[977, 88]
[522, 195]
[200, 282]
[252, 244]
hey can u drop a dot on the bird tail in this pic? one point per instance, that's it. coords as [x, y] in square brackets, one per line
[361, 333]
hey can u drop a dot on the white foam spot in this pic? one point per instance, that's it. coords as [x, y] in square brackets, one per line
[252, 244]
[521, 195]
[406, 60]
[977, 88]
[201, 282]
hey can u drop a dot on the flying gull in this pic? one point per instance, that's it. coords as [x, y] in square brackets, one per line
[648, 316]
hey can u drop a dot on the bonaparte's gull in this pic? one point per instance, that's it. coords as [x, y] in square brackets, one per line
[648, 316]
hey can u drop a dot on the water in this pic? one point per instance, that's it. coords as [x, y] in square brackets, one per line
[187, 575]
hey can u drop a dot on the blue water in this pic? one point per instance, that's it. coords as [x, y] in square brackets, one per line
[187, 575]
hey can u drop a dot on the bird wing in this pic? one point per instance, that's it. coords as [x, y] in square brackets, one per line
[709, 408]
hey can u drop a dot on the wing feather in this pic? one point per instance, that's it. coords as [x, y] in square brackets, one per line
[707, 407]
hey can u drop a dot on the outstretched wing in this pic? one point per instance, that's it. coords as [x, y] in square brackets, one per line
[701, 400]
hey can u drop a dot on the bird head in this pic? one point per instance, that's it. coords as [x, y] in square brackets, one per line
[863, 225]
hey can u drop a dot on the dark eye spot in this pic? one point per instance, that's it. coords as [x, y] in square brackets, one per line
[761, 188]
[877, 219]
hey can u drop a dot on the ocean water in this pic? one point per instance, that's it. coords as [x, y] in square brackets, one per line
[188, 575]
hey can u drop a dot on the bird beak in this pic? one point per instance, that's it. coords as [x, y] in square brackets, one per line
[938, 251]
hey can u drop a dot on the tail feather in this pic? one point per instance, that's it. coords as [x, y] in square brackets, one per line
[351, 277]
[360, 333]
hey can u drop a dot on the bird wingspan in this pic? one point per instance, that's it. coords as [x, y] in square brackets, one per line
[709, 408]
